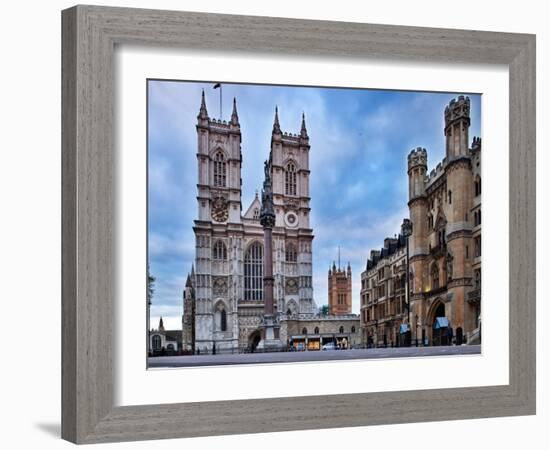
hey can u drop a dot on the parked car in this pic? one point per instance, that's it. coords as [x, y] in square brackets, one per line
[329, 346]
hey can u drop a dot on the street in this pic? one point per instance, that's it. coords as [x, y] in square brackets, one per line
[309, 356]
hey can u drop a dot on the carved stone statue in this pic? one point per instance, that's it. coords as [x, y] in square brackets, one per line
[267, 213]
[449, 261]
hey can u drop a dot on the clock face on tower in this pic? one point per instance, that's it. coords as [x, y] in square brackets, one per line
[291, 219]
[220, 209]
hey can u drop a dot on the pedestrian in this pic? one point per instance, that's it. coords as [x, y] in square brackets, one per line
[449, 336]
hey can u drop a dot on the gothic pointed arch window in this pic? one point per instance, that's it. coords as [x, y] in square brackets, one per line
[220, 317]
[290, 254]
[253, 272]
[157, 342]
[434, 274]
[220, 169]
[341, 330]
[477, 186]
[219, 251]
[304, 330]
[477, 282]
[316, 330]
[290, 179]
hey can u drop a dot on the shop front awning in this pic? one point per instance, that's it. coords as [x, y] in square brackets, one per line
[403, 328]
[441, 322]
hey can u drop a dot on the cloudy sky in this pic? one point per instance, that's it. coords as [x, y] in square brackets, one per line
[358, 160]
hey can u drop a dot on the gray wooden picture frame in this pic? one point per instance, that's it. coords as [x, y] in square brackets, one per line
[90, 34]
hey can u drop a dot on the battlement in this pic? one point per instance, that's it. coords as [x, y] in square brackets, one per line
[222, 125]
[290, 137]
[476, 143]
[219, 123]
[418, 157]
[458, 108]
[437, 171]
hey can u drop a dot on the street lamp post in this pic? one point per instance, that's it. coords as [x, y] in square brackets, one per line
[406, 231]
[416, 330]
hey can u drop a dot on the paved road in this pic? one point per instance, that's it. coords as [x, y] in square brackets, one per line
[330, 355]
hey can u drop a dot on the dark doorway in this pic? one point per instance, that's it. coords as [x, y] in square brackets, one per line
[440, 329]
[254, 339]
[459, 336]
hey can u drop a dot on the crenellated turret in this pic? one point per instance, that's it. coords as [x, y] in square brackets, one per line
[417, 168]
[457, 124]
[476, 144]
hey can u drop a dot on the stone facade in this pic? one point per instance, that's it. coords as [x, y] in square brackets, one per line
[383, 302]
[445, 245]
[315, 331]
[164, 342]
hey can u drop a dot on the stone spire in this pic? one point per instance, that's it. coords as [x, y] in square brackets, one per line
[234, 115]
[276, 126]
[161, 324]
[188, 282]
[303, 131]
[203, 113]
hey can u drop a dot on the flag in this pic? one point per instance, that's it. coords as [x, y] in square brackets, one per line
[217, 85]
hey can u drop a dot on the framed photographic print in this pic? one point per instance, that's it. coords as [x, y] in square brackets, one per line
[278, 221]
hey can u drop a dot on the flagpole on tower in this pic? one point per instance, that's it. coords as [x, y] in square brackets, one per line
[216, 86]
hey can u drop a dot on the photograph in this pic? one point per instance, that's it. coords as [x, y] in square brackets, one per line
[282, 222]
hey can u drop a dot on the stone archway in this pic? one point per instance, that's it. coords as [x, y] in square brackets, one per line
[254, 339]
[436, 334]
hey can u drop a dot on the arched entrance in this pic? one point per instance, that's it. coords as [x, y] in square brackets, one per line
[254, 339]
[439, 324]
